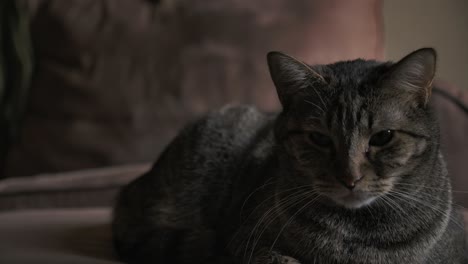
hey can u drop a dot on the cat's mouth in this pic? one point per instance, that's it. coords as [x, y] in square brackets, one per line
[353, 199]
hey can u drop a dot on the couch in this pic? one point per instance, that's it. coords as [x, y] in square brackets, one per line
[113, 81]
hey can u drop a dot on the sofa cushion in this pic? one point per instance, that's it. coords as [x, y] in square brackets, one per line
[85, 188]
[115, 80]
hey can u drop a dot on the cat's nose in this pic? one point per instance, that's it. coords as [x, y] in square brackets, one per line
[349, 182]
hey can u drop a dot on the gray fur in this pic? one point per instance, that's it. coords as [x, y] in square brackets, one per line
[241, 186]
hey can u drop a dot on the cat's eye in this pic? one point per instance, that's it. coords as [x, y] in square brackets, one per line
[320, 140]
[381, 138]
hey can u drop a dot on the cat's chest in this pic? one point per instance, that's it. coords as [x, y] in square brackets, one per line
[345, 243]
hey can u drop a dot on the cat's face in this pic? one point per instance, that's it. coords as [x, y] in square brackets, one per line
[353, 130]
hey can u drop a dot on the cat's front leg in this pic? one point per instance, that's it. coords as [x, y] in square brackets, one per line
[266, 256]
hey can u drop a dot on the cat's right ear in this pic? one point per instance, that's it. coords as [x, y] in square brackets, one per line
[290, 75]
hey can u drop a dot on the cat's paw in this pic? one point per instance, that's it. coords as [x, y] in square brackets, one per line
[272, 257]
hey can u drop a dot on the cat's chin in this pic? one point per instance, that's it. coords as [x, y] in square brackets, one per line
[354, 200]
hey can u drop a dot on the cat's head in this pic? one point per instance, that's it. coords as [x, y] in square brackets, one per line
[353, 130]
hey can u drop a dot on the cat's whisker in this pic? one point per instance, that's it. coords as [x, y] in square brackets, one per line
[291, 219]
[370, 211]
[267, 182]
[413, 216]
[265, 214]
[400, 211]
[283, 204]
[314, 104]
[397, 206]
[273, 196]
[425, 195]
[314, 118]
[429, 206]
[424, 213]
[258, 233]
[417, 212]
[289, 199]
[431, 188]
[253, 211]
[273, 217]
[284, 207]
[384, 199]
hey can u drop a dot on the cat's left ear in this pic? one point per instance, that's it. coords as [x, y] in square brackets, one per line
[415, 74]
[290, 75]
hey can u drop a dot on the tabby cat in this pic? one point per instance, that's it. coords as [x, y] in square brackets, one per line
[349, 172]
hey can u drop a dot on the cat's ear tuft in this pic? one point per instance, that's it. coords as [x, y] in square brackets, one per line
[290, 75]
[415, 73]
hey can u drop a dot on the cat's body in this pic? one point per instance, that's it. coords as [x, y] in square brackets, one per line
[241, 186]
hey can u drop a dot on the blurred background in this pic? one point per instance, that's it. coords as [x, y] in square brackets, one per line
[91, 91]
[439, 24]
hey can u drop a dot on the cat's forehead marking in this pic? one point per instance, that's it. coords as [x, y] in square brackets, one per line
[347, 113]
[355, 89]
[354, 99]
